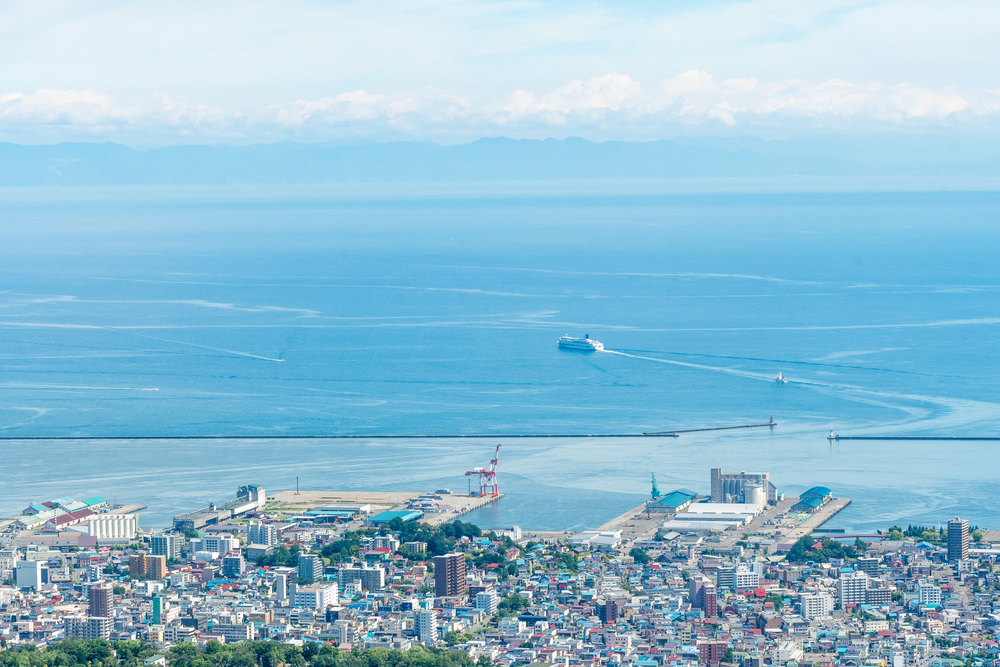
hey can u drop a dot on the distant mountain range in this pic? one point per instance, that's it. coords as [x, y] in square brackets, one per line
[493, 159]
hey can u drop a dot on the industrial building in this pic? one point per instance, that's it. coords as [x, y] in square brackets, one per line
[386, 517]
[742, 487]
[672, 502]
[249, 498]
[713, 516]
[813, 499]
[113, 526]
[596, 539]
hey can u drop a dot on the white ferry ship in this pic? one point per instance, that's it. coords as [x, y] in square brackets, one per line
[584, 344]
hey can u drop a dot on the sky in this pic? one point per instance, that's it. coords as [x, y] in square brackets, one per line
[176, 72]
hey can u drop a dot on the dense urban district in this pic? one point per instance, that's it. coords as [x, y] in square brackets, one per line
[741, 576]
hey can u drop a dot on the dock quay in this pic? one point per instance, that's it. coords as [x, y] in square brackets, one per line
[798, 530]
[457, 510]
[450, 506]
[636, 524]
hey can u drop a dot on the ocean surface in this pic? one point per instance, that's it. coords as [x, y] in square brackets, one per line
[235, 311]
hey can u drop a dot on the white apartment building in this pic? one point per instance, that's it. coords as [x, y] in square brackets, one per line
[815, 605]
[745, 579]
[219, 545]
[88, 627]
[426, 625]
[372, 578]
[317, 596]
[164, 545]
[234, 632]
[262, 533]
[929, 593]
[488, 601]
[345, 632]
[789, 650]
[852, 587]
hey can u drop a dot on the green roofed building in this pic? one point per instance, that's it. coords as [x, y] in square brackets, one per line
[386, 517]
[813, 499]
[673, 502]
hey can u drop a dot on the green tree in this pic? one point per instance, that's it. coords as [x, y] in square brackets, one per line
[639, 555]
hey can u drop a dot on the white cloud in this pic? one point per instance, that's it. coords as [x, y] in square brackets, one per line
[606, 106]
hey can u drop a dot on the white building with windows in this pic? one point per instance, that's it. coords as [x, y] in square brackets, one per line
[745, 579]
[371, 578]
[488, 601]
[815, 605]
[88, 627]
[31, 574]
[317, 596]
[852, 586]
[426, 625]
[262, 533]
[164, 545]
[929, 593]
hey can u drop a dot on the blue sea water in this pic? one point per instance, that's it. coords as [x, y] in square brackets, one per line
[226, 311]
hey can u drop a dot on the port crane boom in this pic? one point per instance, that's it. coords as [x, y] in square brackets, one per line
[488, 477]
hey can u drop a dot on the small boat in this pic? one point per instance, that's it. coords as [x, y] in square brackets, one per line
[584, 344]
[780, 379]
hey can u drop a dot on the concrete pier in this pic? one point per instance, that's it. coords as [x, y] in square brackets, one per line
[817, 519]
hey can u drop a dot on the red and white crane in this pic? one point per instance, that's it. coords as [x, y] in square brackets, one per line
[488, 477]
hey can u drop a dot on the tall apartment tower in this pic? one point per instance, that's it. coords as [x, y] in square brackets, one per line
[101, 601]
[137, 565]
[164, 545]
[156, 567]
[262, 533]
[310, 567]
[426, 625]
[144, 565]
[449, 575]
[852, 587]
[958, 539]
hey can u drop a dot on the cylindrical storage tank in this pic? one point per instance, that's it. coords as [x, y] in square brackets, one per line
[757, 496]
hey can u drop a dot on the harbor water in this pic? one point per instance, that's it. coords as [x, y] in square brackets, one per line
[186, 311]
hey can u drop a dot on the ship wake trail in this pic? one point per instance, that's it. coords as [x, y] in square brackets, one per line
[937, 413]
[236, 353]
[703, 367]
